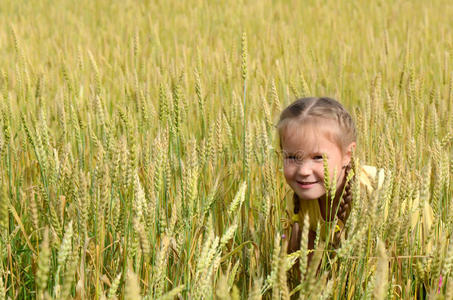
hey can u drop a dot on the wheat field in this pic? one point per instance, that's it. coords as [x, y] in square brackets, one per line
[139, 156]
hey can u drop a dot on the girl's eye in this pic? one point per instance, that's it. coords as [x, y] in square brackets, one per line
[292, 159]
[317, 157]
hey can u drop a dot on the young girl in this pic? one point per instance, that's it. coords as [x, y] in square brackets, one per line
[308, 129]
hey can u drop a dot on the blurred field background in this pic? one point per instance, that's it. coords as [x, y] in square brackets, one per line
[139, 156]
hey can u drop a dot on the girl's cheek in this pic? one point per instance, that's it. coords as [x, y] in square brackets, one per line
[288, 172]
[333, 172]
[335, 175]
[320, 171]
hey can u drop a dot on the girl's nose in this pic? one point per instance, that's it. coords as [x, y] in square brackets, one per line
[305, 169]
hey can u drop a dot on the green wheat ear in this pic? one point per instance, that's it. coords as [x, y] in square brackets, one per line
[327, 183]
[333, 187]
[244, 56]
[132, 288]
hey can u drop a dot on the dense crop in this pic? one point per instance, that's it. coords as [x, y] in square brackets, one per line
[139, 157]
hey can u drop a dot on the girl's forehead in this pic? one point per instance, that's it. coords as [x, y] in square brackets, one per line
[308, 137]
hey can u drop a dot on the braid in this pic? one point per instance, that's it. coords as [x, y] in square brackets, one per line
[296, 204]
[346, 200]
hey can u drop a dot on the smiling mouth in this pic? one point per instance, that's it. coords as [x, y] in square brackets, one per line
[306, 182]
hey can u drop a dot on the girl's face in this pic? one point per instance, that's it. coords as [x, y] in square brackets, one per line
[303, 148]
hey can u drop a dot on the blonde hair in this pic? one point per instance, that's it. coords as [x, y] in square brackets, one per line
[317, 111]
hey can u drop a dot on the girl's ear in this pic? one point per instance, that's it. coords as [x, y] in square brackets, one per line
[348, 154]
